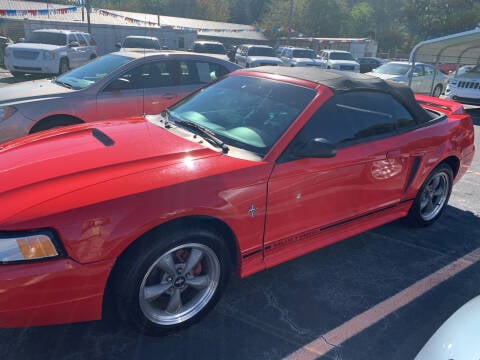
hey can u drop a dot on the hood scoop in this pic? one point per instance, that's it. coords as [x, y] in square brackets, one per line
[102, 137]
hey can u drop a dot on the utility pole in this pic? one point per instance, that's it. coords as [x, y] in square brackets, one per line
[290, 15]
[87, 5]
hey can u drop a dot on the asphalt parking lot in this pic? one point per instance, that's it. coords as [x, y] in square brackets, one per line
[378, 295]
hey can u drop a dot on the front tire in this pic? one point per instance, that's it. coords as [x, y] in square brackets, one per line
[54, 122]
[18, 75]
[171, 280]
[432, 198]
[63, 67]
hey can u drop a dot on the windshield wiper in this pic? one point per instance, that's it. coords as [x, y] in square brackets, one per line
[200, 130]
[63, 84]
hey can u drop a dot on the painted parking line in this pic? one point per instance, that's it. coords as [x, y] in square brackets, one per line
[347, 330]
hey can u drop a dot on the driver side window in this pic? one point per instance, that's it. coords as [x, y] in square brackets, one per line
[353, 117]
[149, 75]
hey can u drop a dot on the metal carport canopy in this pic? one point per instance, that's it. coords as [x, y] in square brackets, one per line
[460, 49]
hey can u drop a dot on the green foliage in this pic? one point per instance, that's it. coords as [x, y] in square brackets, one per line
[396, 24]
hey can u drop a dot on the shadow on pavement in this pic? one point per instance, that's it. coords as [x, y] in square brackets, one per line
[274, 313]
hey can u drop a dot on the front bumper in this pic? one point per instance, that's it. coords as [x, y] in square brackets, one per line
[15, 126]
[31, 67]
[51, 292]
[468, 94]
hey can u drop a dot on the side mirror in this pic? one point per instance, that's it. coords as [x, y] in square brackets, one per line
[21, 40]
[316, 148]
[118, 45]
[74, 44]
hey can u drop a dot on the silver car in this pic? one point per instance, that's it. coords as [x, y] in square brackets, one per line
[117, 85]
[426, 79]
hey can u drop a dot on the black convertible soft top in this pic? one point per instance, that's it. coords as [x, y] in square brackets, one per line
[342, 81]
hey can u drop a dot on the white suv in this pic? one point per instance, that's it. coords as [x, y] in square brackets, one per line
[256, 55]
[339, 60]
[50, 51]
[465, 87]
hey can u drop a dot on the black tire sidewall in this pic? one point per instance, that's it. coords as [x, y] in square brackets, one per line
[435, 89]
[130, 274]
[414, 215]
[60, 68]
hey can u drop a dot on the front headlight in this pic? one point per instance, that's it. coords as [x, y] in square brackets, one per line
[453, 82]
[336, 66]
[6, 112]
[49, 55]
[399, 80]
[15, 247]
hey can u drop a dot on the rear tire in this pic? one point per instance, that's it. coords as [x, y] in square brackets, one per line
[432, 198]
[438, 90]
[171, 280]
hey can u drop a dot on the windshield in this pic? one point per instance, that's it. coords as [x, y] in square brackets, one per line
[141, 43]
[304, 54]
[475, 70]
[393, 69]
[245, 112]
[90, 73]
[261, 51]
[209, 48]
[43, 37]
[341, 56]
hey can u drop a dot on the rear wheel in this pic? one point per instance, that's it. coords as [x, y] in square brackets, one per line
[438, 90]
[172, 281]
[432, 197]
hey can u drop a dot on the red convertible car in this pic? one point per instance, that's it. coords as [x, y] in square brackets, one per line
[147, 219]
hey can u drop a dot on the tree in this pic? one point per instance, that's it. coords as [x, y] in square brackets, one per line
[362, 22]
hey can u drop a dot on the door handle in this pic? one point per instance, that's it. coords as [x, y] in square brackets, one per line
[169, 96]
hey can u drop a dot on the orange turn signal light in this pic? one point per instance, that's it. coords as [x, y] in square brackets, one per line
[36, 247]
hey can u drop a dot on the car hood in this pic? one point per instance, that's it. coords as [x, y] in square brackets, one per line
[307, 61]
[468, 76]
[33, 46]
[344, 62]
[265, 59]
[47, 165]
[388, 76]
[457, 338]
[30, 91]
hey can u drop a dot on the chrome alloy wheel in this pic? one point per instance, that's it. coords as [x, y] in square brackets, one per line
[434, 196]
[179, 284]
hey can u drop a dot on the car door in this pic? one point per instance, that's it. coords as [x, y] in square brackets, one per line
[419, 80]
[74, 51]
[122, 96]
[286, 57]
[308, 195]
[153, 86]
[83, 50]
